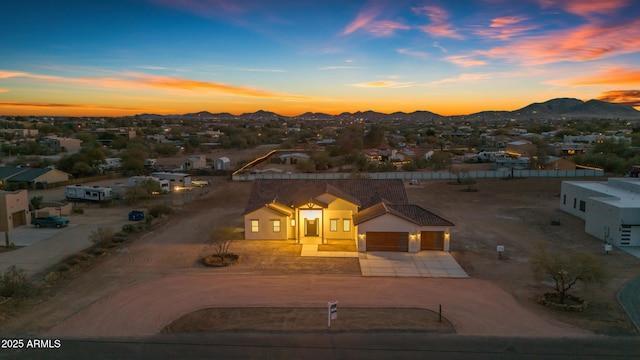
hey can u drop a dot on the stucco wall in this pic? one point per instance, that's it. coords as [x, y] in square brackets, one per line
[265, 230]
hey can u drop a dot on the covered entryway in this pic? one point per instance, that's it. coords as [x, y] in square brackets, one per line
[311, 227]
[387, 241]
[432, 240]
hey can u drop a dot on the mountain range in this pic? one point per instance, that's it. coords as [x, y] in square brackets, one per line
[560, 108]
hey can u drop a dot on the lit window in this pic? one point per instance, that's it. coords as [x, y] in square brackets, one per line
[346, 225]
[293, 222]
[255, 226]
[333, 225]
[276, 226]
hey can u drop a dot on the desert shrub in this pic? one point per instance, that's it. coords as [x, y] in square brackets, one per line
[161, 209]
[13, 282]
[148, 219]
[129, 228]
[97, 251]
[101, 236]
[78, 211]
[52, 277]
[64, 267]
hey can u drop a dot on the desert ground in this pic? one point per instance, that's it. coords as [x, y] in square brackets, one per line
[160, 272]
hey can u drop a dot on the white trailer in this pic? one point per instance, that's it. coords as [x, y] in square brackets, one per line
[87, 193]
[177, 180]
[138, 180]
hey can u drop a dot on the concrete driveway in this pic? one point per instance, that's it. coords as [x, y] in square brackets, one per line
[422, 264]
[382, 263]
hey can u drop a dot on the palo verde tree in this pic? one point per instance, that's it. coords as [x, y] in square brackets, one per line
[221, 239]
[566, 269]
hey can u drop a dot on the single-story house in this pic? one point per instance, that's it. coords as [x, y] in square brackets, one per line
[14, 209]
[610, 210]
[375, 214]
[31, 176]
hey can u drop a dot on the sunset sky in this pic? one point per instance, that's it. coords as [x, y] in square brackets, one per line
[125, 57]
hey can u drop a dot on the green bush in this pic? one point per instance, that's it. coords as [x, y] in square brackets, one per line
[13, 282]
[161, 209]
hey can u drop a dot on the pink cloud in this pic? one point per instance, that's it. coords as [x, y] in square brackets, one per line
[439, 27]
[385, 28]
[587, 42]
[585, 8]
[362, 20]
[506, 21]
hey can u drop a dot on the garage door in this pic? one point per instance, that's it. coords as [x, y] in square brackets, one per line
[432, 240]
[387, 241]
[19, 218]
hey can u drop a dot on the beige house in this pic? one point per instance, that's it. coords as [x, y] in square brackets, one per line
[57, 143]
[14, 209]
[375, 214]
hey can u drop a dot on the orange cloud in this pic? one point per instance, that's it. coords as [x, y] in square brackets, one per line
[614, 76]
[383, 84]
[504, 28]
[625, 97]
[505, 21]
[439, 26]
[585, 8]
[186, 84]
[68, 106]
[462, 78]
[584, 43]
[465, 60]
[138, 80]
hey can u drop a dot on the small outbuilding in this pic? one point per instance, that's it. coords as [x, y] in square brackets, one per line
[222, 163]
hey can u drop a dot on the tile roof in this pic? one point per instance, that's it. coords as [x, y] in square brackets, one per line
[365, 192]
[410, 212]
[7, 172]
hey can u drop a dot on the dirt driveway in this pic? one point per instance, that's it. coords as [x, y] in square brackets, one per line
[145, 285]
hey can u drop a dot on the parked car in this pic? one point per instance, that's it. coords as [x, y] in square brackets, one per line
[136, 215]
[50, 221]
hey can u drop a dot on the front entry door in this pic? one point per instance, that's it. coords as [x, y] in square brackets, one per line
[311, 227]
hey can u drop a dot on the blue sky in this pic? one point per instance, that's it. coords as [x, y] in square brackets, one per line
[117, 57]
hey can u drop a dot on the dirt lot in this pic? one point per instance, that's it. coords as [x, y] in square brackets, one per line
[513, 213]
[517, 214]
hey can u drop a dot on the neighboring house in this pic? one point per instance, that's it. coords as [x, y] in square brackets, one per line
[375, 214]
[62, 144]
[610, 210]
[14, 209]
[31, 176]
[520, 148]
[194, 162]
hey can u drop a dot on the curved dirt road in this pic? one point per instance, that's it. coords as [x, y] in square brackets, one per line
[474, 307]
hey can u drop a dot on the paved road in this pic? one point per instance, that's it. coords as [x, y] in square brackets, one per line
[629, 298]
[336, 346]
